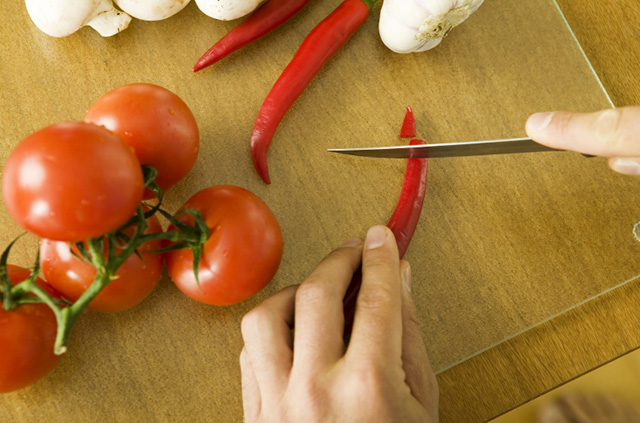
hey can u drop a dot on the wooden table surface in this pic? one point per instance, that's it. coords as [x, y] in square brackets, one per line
[503, 242]
[594, 333]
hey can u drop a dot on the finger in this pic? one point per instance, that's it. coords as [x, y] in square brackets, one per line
[319, 314]
[625, 165]
[609, 133]
[418, 373]
[251, 401]
[377, 325]
[574, 406]
[551, 413]
[266, 331]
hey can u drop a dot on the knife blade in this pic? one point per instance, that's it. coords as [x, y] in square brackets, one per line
[457, 149]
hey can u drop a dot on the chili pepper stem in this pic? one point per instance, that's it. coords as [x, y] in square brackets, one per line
[370, 3]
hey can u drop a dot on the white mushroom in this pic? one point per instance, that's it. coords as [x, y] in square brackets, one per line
[60, 18]
[226, 10]
[152, 10]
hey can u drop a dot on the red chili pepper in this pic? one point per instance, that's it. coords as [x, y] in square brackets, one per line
[403, 223]
[405, 217]
[319, 46]
[408, 125]
[265, 19]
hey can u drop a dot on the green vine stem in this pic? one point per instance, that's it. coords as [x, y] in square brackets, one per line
[28, 291]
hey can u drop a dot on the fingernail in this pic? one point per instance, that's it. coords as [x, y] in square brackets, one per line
[352, 242]
[376, 237]
[626, 166]
[406, 278]
[538, 122]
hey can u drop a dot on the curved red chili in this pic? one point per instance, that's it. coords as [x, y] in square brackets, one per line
[265, 19]
[405, 217]
[403, 223]
[319, 46]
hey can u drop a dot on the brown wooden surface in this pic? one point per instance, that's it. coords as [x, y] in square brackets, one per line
[596, 332]
[504, 242]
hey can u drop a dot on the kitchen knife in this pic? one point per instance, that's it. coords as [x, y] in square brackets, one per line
[456, 149]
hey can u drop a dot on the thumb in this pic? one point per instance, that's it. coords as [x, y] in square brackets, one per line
[609, 133]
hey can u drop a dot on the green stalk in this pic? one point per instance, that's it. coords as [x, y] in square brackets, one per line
[370, 3]
[5, 283]
[186, 236]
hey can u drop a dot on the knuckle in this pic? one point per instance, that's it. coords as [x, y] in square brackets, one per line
[343, 255]
[314, 290]
[256, 320]
[251, 322]
[609, 129]
[381, 258]
[563, 121]
[374, 299]
[368, 381]
[309, 403]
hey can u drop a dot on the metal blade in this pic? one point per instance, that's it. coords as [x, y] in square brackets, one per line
[458, 149]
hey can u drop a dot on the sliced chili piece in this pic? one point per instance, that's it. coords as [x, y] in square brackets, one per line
[402, 223]
[408, 125]
[317, 48]
[265, 19]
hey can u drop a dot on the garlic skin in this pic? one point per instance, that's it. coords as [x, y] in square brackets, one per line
[226, 10]
[152, 10]
[409, 26]
[59, 18]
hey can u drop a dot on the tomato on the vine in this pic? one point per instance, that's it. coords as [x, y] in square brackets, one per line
[72, 181]
[243, 251]
[27, 336]
[156, 123]
[136, 278]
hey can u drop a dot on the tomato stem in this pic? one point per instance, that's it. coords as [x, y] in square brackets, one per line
[5, 282]
[187, 235]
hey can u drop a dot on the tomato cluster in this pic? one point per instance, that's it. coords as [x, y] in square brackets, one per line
[79, 186]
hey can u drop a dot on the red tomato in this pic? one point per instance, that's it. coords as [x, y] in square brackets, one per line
[72, 181]
[156, 123]
[27, 336]
[136, 278]
[242, 254]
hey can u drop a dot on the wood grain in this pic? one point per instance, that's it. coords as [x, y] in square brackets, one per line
[503, 243]
[594, 333]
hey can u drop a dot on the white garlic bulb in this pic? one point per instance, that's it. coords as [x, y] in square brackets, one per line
[408, 26]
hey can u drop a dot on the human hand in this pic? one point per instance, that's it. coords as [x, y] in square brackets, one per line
[383, 375]
[613, 133]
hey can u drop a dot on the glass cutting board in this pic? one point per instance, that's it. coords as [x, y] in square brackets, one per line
[503, 242]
